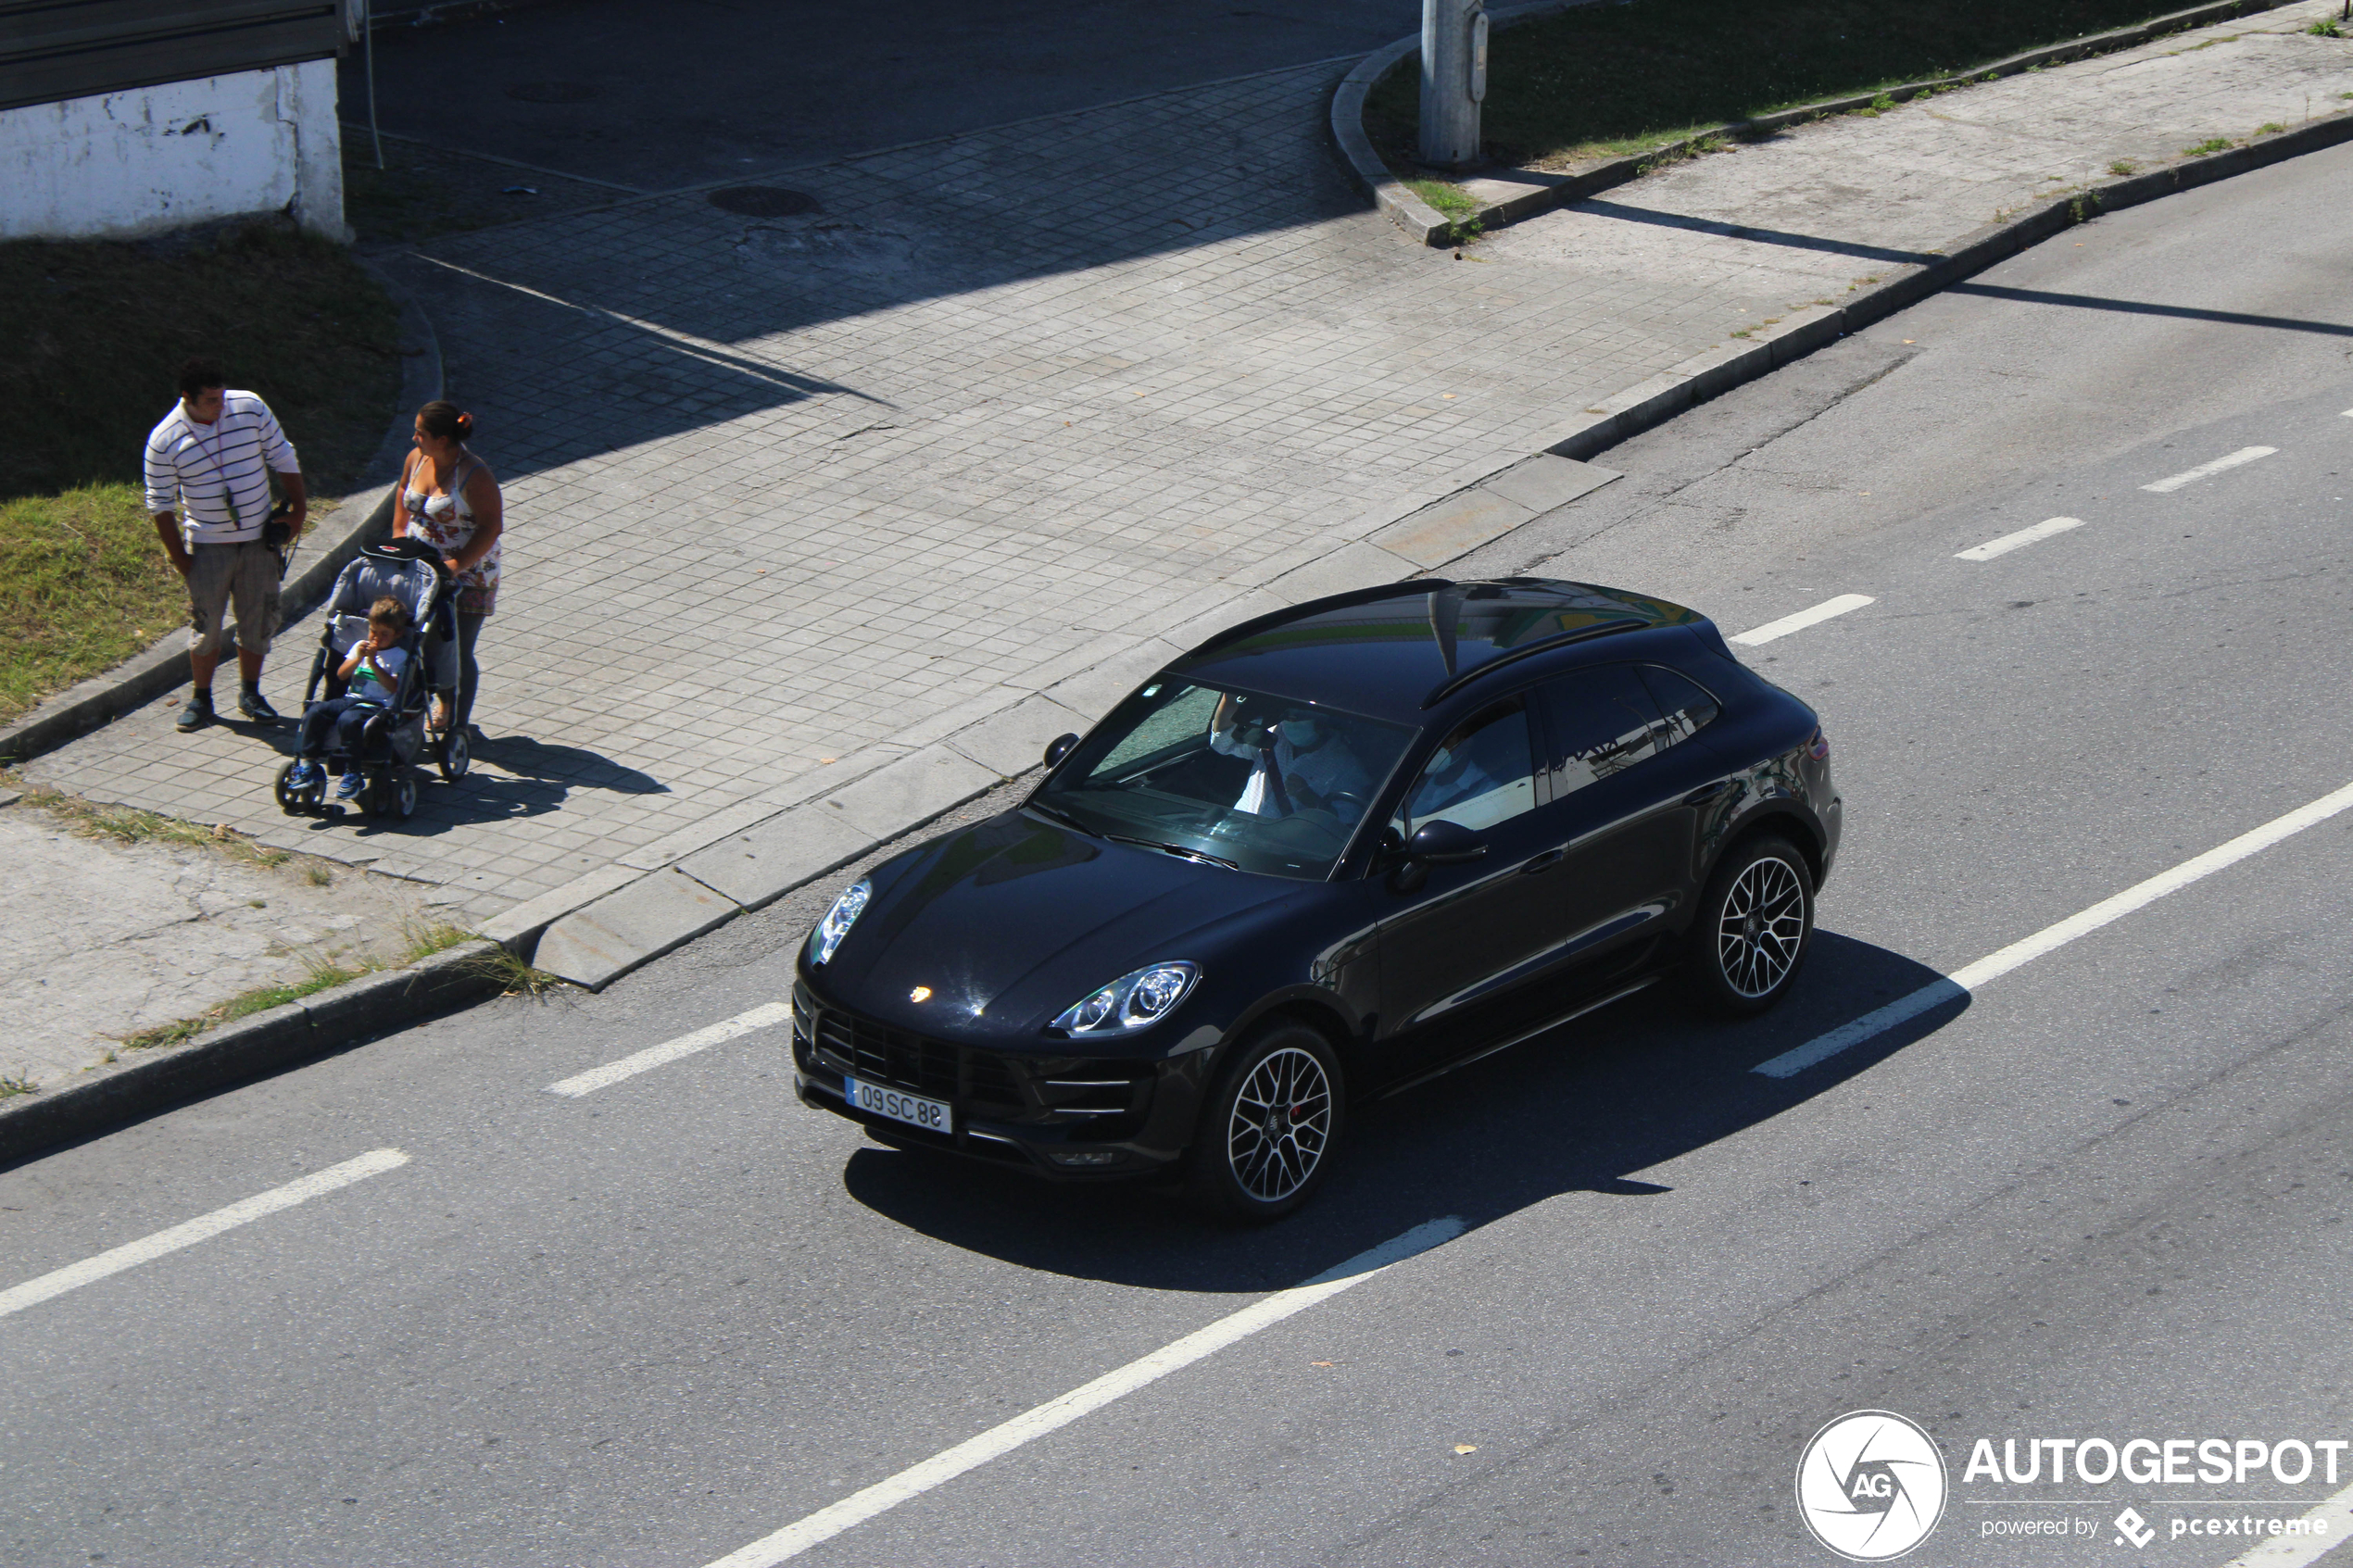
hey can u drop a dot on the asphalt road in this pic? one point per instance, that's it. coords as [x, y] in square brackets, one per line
[2106, 1195]
[591, 87]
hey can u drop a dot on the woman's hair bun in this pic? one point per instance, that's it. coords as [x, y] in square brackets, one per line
[465, 425]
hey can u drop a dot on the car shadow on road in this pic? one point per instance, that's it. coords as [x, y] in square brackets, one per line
[1582, 1109]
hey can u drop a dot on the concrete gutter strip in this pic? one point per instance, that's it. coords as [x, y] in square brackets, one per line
[252, 1047]
[1509, 196]
[323, 553]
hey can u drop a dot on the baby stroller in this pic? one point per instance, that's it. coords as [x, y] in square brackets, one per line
[392, 739]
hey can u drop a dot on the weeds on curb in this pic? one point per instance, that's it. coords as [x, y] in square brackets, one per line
[2122, 167]
[129, 825]
[2326, 28]
[1458, 206]
[514, 975]
[12, 1086]
[2270, 128]
[2212, 145]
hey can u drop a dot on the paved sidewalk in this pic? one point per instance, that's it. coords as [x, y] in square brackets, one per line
[791, 497]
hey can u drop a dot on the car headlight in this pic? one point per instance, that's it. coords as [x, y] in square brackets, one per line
[839, 920]
[1131, 1001]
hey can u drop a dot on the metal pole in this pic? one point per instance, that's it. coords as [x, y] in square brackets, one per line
[1453, 79]
[368, 25]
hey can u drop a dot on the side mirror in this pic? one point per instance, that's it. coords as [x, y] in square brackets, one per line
[1442, 843]
[1059, 747]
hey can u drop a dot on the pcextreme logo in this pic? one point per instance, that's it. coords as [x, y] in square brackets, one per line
[1871, 1486]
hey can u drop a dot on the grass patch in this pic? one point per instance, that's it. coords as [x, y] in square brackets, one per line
[97, 331]
[2122, 167]
[11, 1086]
[1613, 80]
[2326, 28]
[83, 586]
[2213, 144]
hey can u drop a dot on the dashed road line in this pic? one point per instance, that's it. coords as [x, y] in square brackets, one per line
[1803, 619]
[2207, 470]
[204, 1227]
[2326, 1523]
[2019, 540]
[913, 1482]
[2052, 937]
[596, 1078]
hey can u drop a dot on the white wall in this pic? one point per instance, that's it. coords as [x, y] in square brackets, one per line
[157, 159]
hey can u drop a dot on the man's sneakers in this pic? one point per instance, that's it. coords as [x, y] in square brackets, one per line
[348, 787]
[198, 714]
[303, 774]
[254, 706]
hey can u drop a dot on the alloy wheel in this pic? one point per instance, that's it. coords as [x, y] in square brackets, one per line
[1762, 927]
[1281, 1124]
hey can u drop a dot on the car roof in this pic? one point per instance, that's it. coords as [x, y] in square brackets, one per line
[1399, 651]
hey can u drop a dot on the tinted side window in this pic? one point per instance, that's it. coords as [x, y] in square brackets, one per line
[1484, 773]
[1601, 722]
[1686, 706]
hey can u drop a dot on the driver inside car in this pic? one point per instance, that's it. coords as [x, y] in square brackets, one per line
[1301, 762]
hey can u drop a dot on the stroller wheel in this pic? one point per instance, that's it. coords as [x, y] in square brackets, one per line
[375, 796]
[404, 795]
[290, 801]
[455, 756]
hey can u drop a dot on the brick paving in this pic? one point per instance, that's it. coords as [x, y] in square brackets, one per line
[787, 492]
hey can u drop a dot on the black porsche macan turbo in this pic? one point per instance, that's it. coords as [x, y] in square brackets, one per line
[1327, 854]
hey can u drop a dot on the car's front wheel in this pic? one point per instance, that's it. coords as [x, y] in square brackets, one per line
[1755, 922]
[1271, 1127]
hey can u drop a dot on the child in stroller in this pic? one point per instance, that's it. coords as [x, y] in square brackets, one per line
[382, 749]
[370, 674]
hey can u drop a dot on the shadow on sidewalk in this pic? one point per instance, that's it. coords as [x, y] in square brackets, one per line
[1577, 1110]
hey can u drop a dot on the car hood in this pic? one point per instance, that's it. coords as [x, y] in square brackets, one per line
[1012, 919]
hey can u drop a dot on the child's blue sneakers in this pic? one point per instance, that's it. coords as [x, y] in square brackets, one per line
[347, 786]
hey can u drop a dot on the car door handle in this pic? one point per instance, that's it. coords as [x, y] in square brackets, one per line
[1543, 863]
[1707, 792]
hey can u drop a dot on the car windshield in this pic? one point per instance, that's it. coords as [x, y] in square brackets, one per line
[1261, 783]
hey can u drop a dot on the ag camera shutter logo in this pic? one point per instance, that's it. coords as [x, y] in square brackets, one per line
[1871, 1486]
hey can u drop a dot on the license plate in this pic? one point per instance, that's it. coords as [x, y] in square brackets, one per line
[932, 1115]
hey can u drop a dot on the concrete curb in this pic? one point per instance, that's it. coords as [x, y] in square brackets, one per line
[143, 677]
[1510, 196]
[252, 1047]
[1800, 331]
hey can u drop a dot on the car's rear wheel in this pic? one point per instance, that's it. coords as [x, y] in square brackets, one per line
[1271, 1126]
[1755, 922]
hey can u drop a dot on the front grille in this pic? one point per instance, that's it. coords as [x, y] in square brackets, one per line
[991, 1085]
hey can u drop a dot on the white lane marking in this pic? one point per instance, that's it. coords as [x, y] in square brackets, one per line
[1803, 619]
[2207, 471]
[2334, 1515]
[204, 1227]
[2055, 936]
[597, 1078]
[2019, 540]
[859, 1507]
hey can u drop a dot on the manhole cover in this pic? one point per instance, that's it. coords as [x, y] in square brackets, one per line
[554, 92]
[762, 201]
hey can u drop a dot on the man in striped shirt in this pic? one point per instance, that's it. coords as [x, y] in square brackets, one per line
[209, 466]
